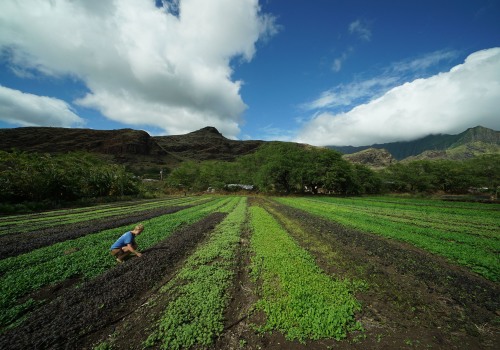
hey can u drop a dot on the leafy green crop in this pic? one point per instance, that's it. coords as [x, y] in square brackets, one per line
[195, 315]
[298, 298]
[86, 257]
[26, 223]
[467, 235]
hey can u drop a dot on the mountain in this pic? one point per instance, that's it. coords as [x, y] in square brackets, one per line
[460, 152]
[372, 157]
[145, 154]
[135, 149]
[440, 142]
[205, 144]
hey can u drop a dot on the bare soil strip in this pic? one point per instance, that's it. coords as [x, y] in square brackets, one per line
[413, 298]
[80, 312]
[238, 332]
[19, 243]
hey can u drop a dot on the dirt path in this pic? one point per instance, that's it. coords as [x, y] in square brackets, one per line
[79, 315]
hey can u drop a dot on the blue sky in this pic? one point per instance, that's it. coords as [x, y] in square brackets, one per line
[319, 72]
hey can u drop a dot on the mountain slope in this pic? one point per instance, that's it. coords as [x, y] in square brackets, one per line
[136, 149]
[206, 144]
[372, 157]
[133, 148]
[143, 153]
[462, 151]
[440, 142]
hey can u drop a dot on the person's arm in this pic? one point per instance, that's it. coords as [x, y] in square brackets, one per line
[131, 249]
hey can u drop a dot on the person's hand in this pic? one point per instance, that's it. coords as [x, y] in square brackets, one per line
[138, 254]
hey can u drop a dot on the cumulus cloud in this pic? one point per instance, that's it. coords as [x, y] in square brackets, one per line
[449, 102]
[167, 67]
[24, 109]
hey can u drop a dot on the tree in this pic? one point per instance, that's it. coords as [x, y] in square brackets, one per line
[184, 176]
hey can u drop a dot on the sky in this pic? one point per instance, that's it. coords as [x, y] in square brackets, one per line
[322, 72]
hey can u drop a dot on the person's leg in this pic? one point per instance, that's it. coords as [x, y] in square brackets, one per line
[126, 249]
[119, 254]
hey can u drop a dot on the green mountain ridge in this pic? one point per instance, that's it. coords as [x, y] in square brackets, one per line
[439, 142]
[142, 153]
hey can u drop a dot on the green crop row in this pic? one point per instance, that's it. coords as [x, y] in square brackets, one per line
[298, 298]
[36, 222]
[422, 223]
[477, 218]
[84, 257]
[444, 205]
[195, 315]
[477, 252]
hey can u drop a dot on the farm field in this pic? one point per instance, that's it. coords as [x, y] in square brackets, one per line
[235, 272]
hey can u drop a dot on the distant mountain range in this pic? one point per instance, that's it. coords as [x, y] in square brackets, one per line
[142, 152]
[433, 143]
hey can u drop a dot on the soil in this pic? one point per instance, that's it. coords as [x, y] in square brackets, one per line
[410, 299]
[79, 314]
[15, 244]
[413, 299]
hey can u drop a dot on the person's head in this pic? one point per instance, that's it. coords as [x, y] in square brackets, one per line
[138, 229]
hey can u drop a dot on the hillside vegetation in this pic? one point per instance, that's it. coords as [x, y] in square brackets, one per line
[440, 142]
[49, 169]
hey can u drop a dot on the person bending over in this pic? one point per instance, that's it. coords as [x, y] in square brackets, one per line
[125, 245]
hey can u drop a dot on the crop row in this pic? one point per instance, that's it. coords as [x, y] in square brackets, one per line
[195, 315]
[447, 206]
[84, 257]
[474, 219]
[97, 304]
[298, 298]
[485, 236]
[28, 223]
[19, 243]
[479, 253]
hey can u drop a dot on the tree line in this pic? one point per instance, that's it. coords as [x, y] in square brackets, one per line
[278, 167]
[64, 177]
[275, 168]
[285, 168]
[455, 177]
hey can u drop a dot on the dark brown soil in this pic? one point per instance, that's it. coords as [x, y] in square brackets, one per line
[78, 313]
[14, 244]
[412, 300]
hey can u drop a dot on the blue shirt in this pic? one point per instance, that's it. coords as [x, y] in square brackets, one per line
[126, 238]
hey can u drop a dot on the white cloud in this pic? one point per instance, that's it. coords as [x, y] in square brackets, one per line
[165, 67]
[339, 61]
[449, 102]
[348, 94]
[23, 109]
[423, 63]
[361, 29]
[361, 91]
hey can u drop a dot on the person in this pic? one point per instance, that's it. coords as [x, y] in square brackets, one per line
[125, 245]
